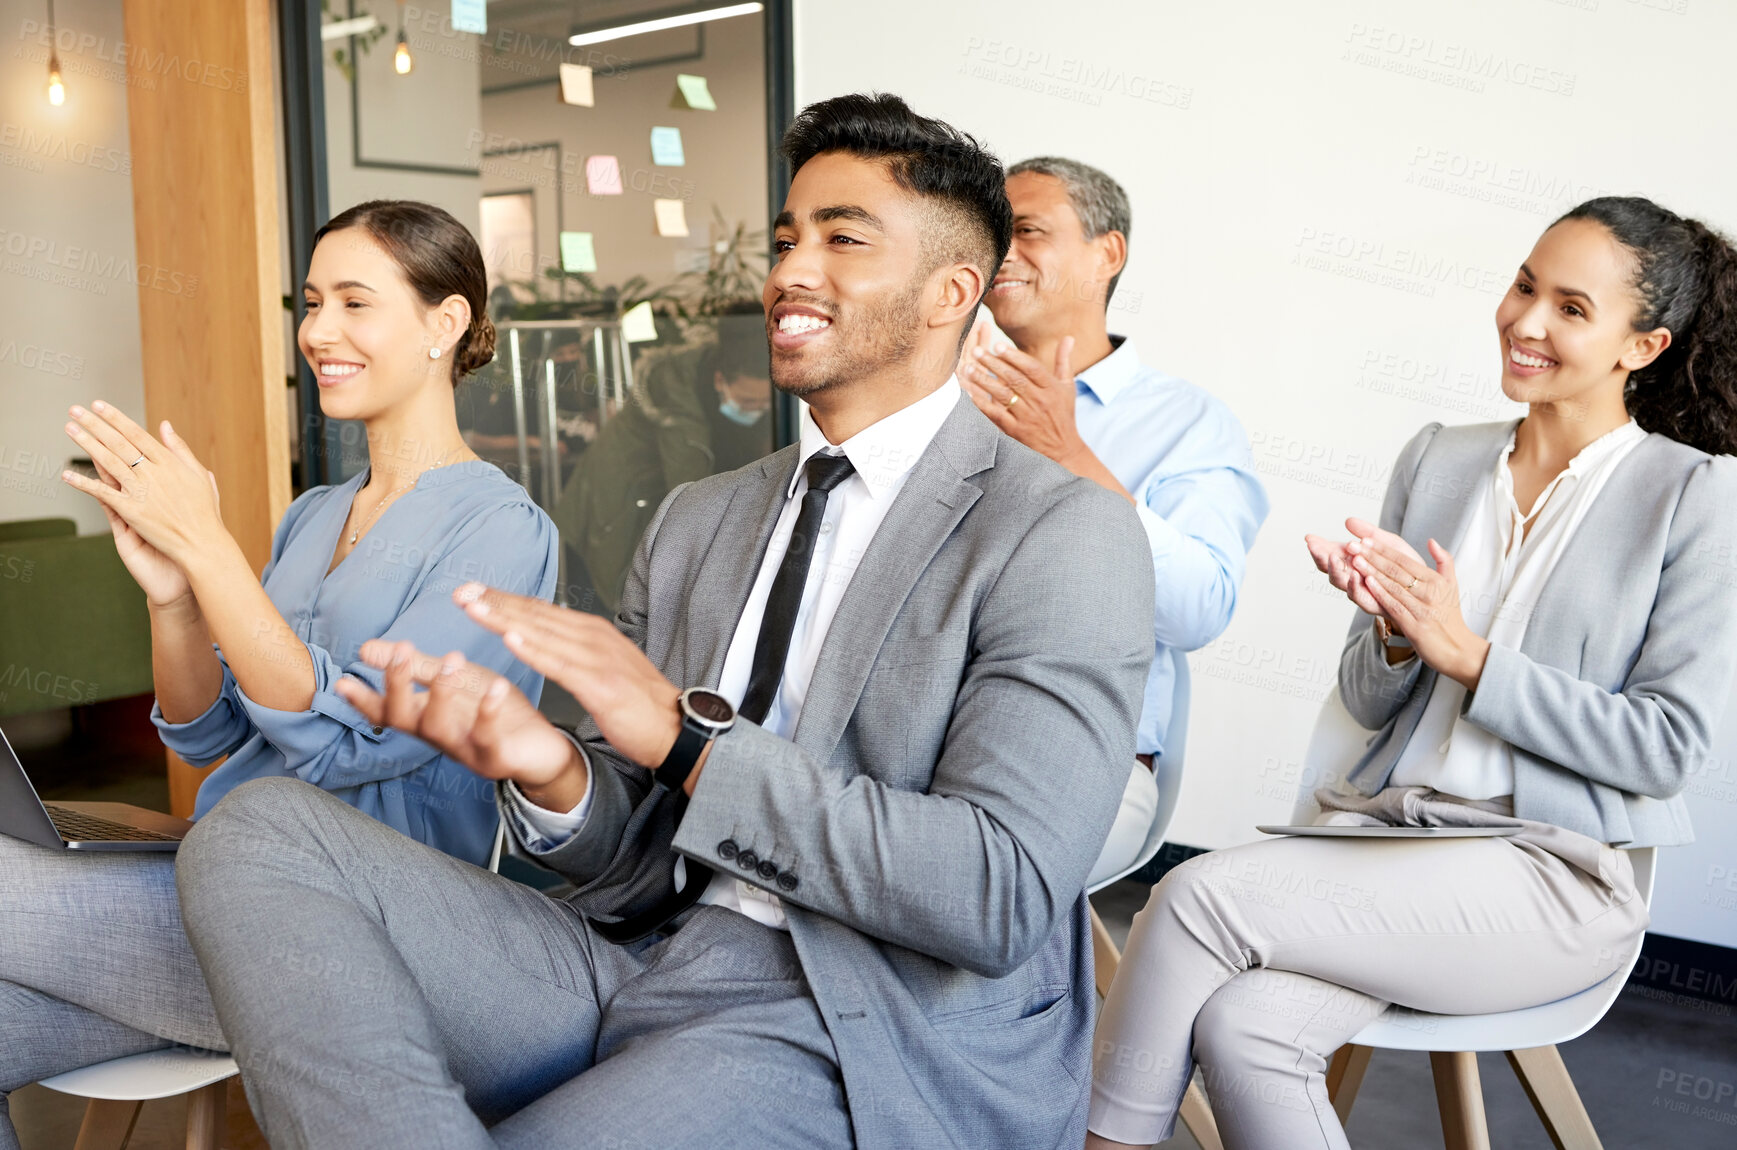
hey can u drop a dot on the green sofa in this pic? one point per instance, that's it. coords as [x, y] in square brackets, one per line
[73, 624]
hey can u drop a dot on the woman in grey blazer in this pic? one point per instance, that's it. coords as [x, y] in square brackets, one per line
[1558, 665]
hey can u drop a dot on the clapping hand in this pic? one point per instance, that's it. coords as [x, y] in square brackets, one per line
[1031, 401]
[632, 703]
[166, 498]
[467, 712]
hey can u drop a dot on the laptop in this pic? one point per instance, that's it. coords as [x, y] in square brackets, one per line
[79, 826]
[1371, 832]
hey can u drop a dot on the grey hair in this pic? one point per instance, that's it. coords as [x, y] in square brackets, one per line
[1097, 199]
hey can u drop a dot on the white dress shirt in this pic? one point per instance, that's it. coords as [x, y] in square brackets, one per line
[883, 455]
[1502, 569]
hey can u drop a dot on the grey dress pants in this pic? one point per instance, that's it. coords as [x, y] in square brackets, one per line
[93, 964]
[1259, 961]
[380, 994]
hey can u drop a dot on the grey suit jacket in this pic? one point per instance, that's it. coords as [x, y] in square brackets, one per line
[960, 756]
[1612, 700]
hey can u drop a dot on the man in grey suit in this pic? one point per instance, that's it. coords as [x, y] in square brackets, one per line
[829, 895]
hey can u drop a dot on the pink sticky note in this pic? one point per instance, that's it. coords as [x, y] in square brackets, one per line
[603, 175]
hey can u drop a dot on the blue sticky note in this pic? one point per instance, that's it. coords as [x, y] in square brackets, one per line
[666, 148]
[470, 16]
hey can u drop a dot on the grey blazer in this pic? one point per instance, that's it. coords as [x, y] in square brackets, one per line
[1614, 695]
[961, 754]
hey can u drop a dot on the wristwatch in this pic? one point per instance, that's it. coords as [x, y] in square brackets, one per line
[705, 715]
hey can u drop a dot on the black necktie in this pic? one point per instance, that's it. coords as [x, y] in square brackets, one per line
[772, 648]
[824, 472]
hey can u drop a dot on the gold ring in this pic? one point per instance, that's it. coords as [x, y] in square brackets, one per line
[1413, 582]
[1014, 400]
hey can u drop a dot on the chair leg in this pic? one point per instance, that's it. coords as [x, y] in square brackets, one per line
[1105, 955]
[107, 1125]
[1345, 1077]
[1196, 1114]
[207, 1116]
[1460, 1097]
[1552, 1092]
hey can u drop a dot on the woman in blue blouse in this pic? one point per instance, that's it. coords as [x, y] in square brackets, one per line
[93, 960]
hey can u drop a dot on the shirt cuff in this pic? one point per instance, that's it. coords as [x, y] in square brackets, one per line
[549, 829]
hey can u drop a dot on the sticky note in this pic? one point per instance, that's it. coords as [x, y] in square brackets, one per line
[637, 324]
[603, 175]
[578, 254]
[672, 217]
[576, 85]
[470, 16]
[666, 147]
[692, 92]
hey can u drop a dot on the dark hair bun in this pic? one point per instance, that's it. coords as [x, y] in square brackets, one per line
[477, 348]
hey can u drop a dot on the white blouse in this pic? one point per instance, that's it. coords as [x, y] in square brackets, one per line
[1502, 570]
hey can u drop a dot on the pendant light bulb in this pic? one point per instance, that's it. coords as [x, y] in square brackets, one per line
[402, 61]
[56, 88]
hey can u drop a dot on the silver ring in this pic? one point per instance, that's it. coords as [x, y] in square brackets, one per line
[137, 461]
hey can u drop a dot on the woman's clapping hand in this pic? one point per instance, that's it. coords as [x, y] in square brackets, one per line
[160, 500]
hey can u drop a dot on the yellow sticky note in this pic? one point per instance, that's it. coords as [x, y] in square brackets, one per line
[637, 324]
[692, 92]
[672, 217]
[603, 175]
[578, 254]
[576, 85]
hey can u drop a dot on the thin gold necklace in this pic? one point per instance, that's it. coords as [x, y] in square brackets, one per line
[387, 498]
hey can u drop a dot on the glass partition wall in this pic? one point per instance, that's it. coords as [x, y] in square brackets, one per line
[614, 159]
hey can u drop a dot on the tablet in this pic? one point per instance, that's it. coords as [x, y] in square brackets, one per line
[1384, 832]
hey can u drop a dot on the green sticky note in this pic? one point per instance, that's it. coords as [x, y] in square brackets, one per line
[692, 92]
[637, 324]
[666, 148]
[577, 252]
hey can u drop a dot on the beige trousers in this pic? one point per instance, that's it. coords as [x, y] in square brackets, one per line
[1259, 961]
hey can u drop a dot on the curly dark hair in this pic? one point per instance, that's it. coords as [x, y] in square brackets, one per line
[1686, 281]
[439, 258]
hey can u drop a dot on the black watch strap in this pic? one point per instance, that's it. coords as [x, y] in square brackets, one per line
[679, 763]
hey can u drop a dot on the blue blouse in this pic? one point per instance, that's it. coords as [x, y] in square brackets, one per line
[466, 521]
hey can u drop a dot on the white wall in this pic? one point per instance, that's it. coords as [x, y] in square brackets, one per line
[69, 302]
[1329, 199]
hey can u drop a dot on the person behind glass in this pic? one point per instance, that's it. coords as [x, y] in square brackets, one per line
[1558, 664]
[1068, 388]
[695, 411]
[93, 960]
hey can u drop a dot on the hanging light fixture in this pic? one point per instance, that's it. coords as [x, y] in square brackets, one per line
[402, 61]
[56, 88]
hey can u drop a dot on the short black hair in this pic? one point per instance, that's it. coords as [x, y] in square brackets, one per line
[926, 157]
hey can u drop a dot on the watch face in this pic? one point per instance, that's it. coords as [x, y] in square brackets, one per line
[710, 707]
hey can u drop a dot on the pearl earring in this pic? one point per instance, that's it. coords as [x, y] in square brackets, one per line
[434, 353]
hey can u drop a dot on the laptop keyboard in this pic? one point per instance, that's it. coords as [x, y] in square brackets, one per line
[77, 827]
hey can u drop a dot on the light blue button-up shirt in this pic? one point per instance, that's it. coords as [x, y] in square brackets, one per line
[1186, 460]
[466, 521]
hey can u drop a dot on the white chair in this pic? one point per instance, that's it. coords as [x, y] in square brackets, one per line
[1528, 1037]
[118, 1088]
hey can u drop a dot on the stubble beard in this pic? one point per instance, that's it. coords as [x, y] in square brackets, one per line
[884, 335]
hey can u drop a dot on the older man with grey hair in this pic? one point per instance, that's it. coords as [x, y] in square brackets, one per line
[1068, 388]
